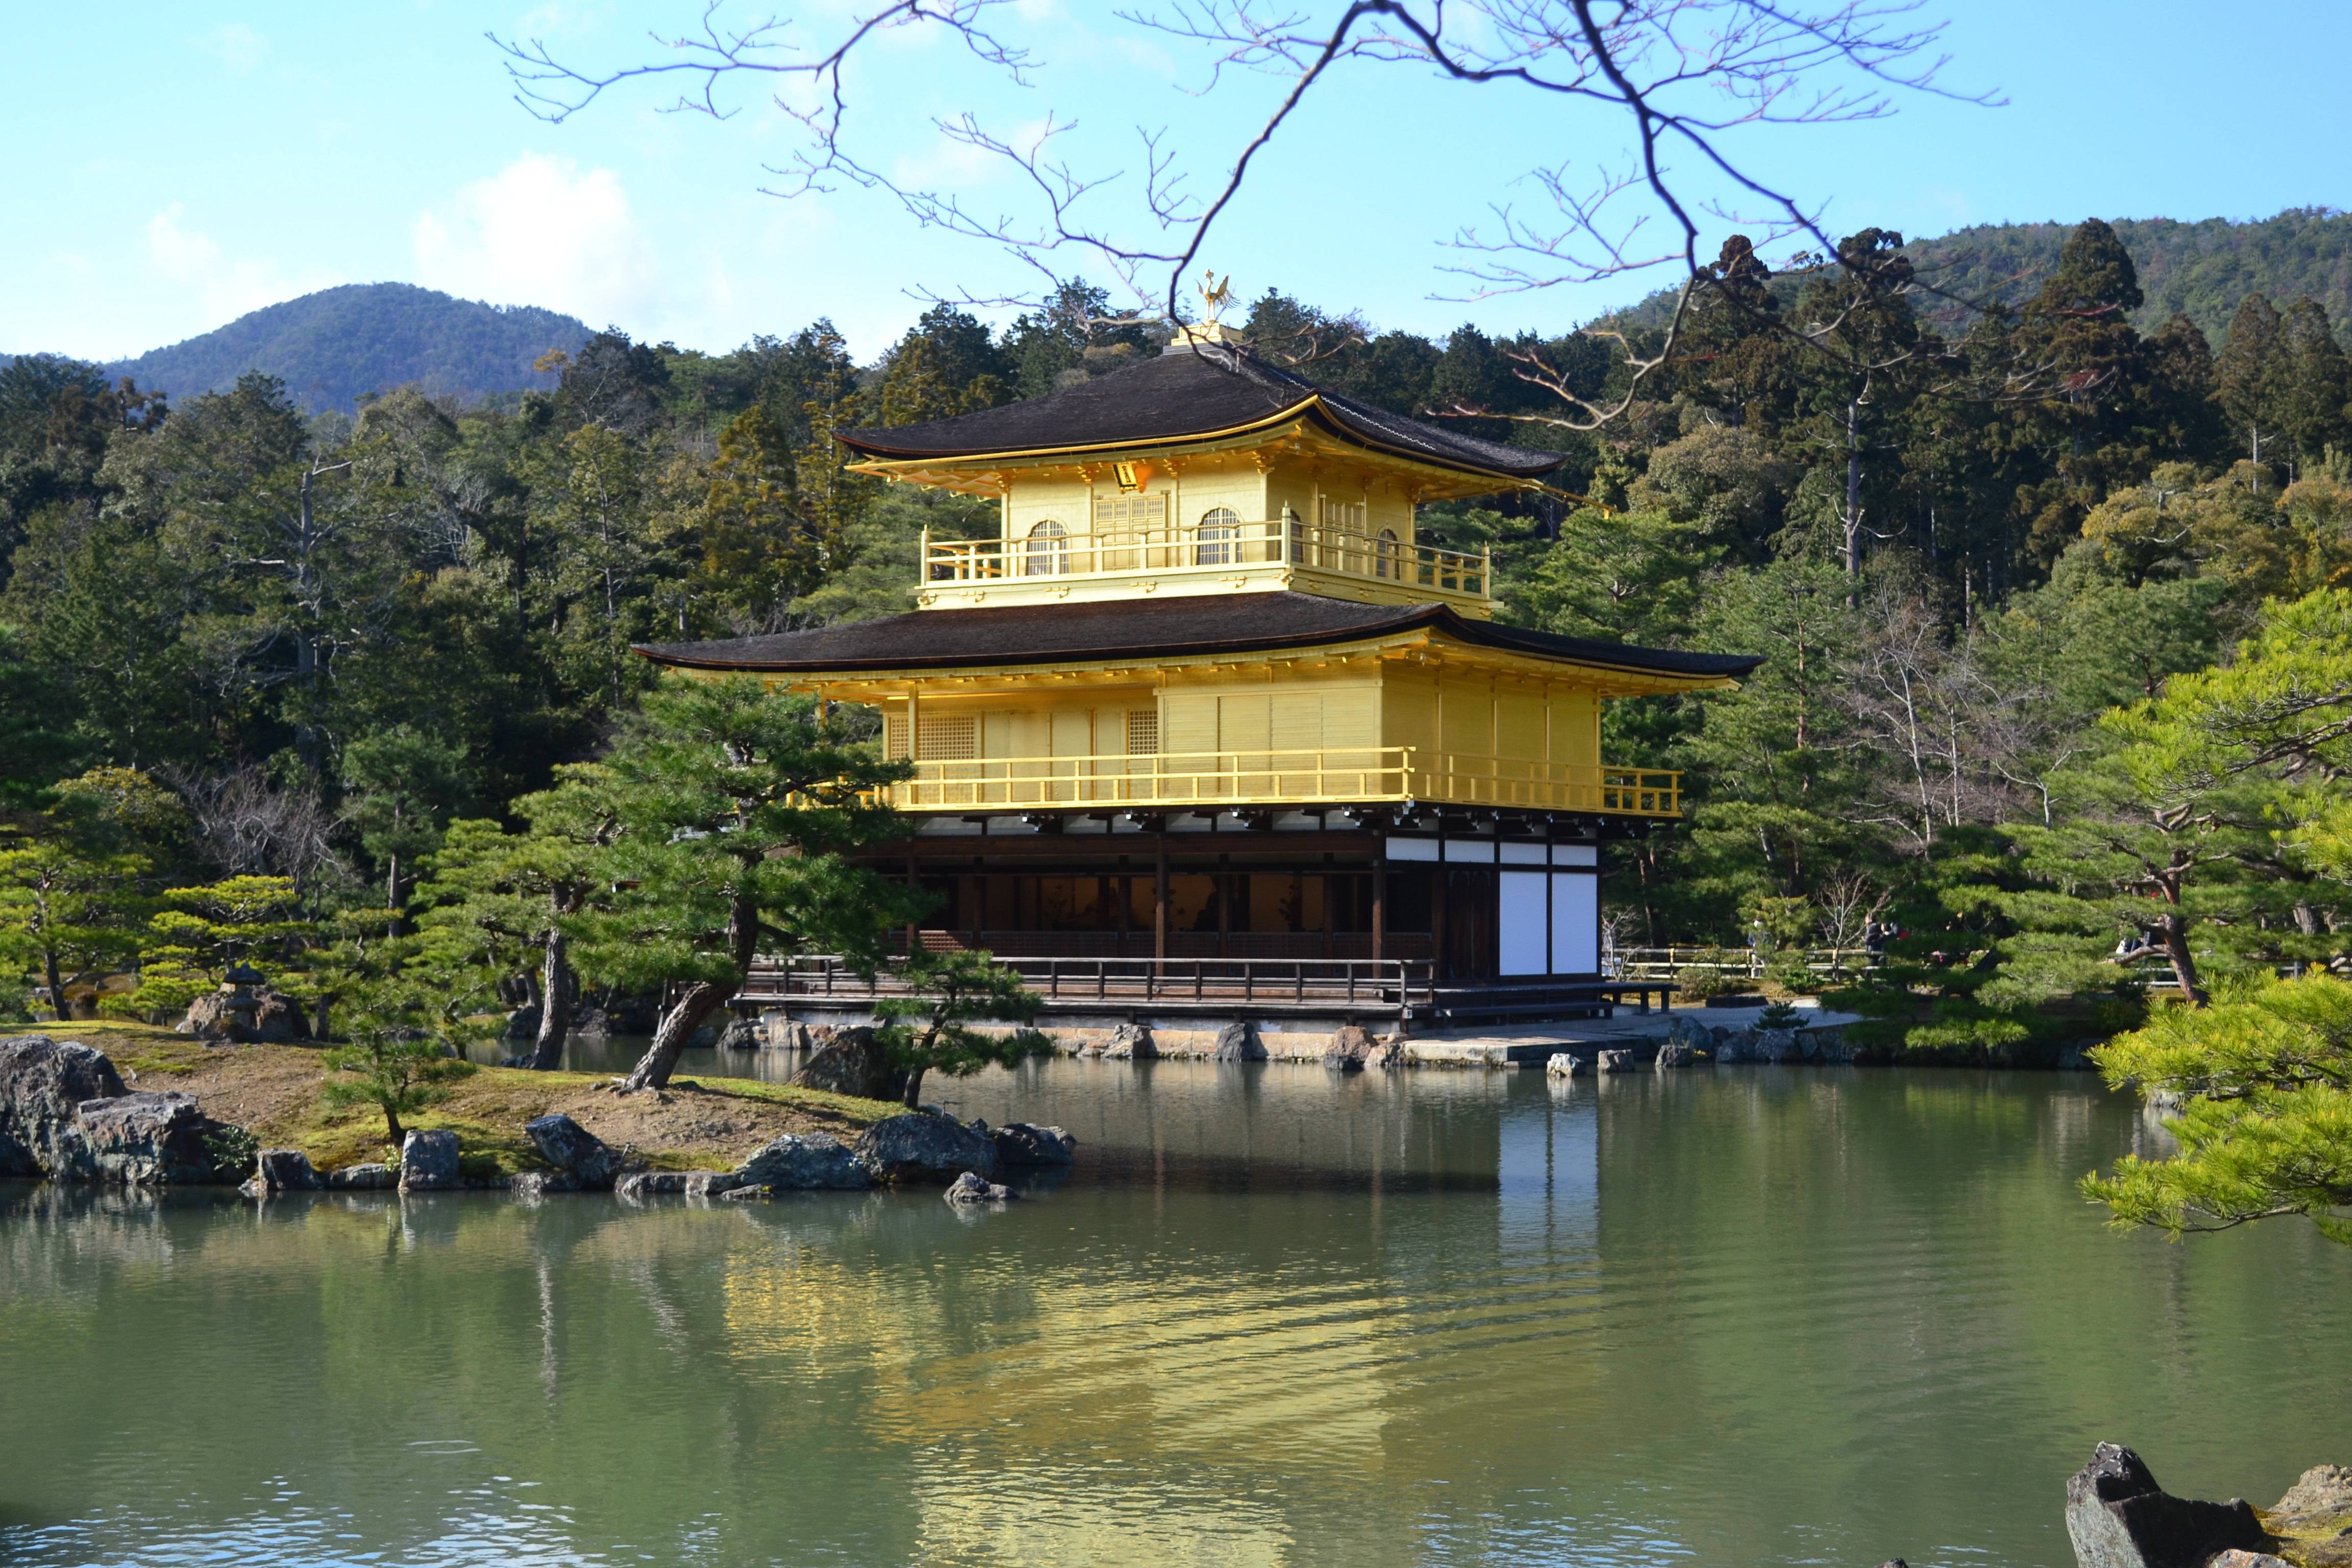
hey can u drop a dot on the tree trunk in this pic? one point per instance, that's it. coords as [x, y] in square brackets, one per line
[554, 1004]
[701, 1000]
[914, 1089]
[1852, 519]
[392, 1126]
[2174, 935]
[57, 984]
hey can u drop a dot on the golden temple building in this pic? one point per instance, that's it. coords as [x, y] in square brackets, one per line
[1206, 721]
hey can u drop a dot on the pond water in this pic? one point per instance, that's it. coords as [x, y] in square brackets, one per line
[1275, 1316]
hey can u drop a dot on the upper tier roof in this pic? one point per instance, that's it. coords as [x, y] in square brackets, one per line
[1142, 629]
[1188, 393]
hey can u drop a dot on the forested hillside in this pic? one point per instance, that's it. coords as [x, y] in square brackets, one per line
[336, 346]
[2199, 270]
[1967, 551]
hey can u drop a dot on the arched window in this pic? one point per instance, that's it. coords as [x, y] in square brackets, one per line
[1219, 539]
[1384, 554]
[1048, 550]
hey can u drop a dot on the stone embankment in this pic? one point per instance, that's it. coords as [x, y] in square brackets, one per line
[66, 1115]
[849, 1060]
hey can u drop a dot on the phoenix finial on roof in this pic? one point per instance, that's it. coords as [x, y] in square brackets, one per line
[1215, 294]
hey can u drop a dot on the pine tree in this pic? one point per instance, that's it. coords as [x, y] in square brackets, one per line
[735, 809]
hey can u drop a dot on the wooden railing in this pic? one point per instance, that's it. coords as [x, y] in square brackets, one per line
[1367, 983]
[1731, 963]
[1208, 549]
[1273, 778]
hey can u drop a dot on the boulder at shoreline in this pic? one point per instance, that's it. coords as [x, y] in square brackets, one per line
[2117, 1516]
[921, 1147]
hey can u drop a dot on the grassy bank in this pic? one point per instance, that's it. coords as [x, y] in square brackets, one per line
[275, 1093]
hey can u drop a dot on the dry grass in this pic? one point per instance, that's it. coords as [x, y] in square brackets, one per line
[274, 1091]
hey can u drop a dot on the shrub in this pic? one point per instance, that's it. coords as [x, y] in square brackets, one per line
[1698, 981]
[397, 1068]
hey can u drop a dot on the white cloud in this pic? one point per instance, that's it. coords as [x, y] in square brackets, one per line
[542, 231]
[238, 46]
[222, 287]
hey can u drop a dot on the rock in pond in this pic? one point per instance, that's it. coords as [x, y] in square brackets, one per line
[639, 1185]
[1564, 1063]
[65, 1114]
[145, 1139]
[1387, 1053]
[740, 1035]
[969, 1188]
[852, 1062]
[1131, 1042]
[805, 1161]
[1238, 1042]
[923, 1147]
[1350, 1050]
[428, 1162]
[1687, 1043]
[372, 1177]
[575, 1151]
[41, 1082]
[1613, 1061]
[280, 1171]
[2238, 1557]
[1025, 1145]
[531, 1184]
[2117, 1516]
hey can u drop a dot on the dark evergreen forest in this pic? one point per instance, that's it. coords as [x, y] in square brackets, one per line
[1965, 548]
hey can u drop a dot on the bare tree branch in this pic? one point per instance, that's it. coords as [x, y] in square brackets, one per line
[1678, 74]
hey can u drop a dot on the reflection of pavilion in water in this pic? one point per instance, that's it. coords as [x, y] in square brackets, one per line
[1044, 1396]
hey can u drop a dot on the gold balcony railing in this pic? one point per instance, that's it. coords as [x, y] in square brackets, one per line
[1285, 778]
[1208, 549]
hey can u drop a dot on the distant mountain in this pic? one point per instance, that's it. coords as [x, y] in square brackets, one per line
[335, 347]
[2202, 269]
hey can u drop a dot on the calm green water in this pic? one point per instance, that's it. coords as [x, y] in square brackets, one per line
[1276, 1317]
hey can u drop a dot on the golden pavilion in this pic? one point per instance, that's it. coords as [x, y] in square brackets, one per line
[1205, 725]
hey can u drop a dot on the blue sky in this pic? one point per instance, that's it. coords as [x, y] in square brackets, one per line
[176, 166]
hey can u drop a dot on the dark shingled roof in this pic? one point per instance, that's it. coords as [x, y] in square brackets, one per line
[1185, 394]
[1149, 629]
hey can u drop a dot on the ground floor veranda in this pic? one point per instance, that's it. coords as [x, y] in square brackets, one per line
[1305, 910]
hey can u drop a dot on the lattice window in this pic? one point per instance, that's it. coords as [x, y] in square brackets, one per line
[894, 735]
[1122, 515]
[948, 738]
[1143, 731]
[1221, 538]
[1048, 550]
[1346, 516]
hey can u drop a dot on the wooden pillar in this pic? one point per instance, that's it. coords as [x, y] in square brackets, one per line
[1438, 878]
[978, 883]
[1330, 905]
[1380, 909]
[914, 890]
[1160, 908]
[1224, 906]
[1125, 884]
